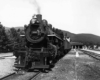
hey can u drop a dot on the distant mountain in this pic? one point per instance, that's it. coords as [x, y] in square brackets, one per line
[20, 27]
[88, 39]
[7, 28]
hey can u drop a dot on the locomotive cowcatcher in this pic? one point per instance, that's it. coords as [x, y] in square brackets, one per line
[40, 46]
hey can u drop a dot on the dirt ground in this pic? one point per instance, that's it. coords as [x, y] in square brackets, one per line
[6, 64]
[74, 66]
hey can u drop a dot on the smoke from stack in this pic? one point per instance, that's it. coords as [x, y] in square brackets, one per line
[35, 3]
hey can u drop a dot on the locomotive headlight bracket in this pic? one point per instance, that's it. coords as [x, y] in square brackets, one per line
[39, 32]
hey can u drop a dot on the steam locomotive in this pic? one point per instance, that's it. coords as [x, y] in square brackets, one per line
[41, 46]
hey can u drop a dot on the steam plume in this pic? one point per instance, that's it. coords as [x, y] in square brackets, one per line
[35, 3]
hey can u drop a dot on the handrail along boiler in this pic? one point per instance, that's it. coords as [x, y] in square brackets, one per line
[42, 46]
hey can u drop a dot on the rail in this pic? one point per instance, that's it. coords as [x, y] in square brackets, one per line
[7, 76]
[34, 76]
[14, 76]
[92, 54]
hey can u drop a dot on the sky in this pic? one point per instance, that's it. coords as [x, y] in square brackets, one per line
[76, 16]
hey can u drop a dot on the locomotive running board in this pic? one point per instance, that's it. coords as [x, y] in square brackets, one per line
[19, 66]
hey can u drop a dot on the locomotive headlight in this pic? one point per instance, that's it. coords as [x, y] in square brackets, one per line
[37, 21]
[33, 21]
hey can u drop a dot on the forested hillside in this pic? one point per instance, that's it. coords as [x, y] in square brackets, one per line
[88, 39]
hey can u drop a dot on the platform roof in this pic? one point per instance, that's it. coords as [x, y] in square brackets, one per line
[76, 43]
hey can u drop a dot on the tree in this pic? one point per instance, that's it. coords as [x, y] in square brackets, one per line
[3, 38]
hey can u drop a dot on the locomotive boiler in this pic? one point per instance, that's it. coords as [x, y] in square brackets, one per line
[41, 46]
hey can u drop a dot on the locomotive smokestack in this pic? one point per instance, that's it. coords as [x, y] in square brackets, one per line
[39, 17]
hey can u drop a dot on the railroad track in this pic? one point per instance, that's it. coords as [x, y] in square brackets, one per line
[3, 57]
[95, 49]
[14, 76]
[34, 76]
[7, 76]
[91, 54]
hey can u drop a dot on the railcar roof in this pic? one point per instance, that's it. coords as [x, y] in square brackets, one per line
[76, 43]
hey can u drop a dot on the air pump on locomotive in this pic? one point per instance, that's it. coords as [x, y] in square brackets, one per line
[42, 47]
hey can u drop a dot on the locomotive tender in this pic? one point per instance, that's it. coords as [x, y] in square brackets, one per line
[41, 47]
